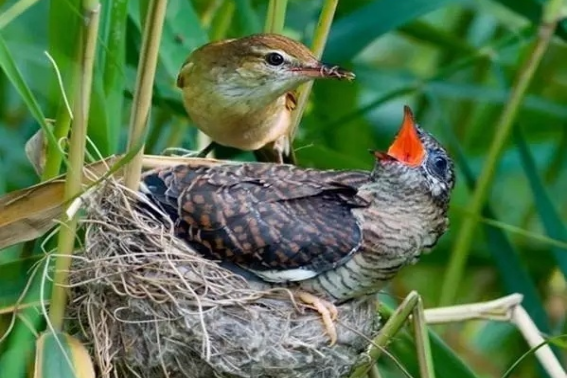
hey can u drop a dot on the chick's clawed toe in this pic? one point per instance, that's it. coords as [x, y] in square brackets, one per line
[327, 310]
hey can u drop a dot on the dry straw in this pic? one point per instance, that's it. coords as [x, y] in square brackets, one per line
[148, 306]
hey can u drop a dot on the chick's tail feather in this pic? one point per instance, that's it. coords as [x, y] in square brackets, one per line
[155, 190]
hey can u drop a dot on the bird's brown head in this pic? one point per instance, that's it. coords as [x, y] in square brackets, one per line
[259, 65]
[416, 159]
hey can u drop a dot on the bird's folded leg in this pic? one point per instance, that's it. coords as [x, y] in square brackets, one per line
[327, 310]
[269, 154]
[177, 151]
[205, 151]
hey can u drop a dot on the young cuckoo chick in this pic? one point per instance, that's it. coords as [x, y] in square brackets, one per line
[331, 235]
[240, 91]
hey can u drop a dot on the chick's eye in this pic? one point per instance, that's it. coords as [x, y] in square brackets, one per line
[440, 165]
[274, 59]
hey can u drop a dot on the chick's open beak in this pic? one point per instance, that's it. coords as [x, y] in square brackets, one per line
[323, 70]
[407, 146]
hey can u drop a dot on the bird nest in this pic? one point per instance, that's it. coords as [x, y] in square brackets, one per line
[147, 305]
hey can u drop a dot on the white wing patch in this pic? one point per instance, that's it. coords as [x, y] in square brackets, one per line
[284, 275]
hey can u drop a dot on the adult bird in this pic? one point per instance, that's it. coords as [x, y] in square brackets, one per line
[240, 92]
[330, 235]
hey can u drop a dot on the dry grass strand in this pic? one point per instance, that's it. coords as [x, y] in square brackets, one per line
[147, 305]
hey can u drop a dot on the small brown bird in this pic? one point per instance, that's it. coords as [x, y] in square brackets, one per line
[332, 235]
[239, 92]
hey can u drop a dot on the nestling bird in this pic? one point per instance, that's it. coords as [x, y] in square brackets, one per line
[239, 92]
[331, 235]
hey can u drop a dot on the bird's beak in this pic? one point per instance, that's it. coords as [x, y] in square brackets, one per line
[407, 147]
[325, 71]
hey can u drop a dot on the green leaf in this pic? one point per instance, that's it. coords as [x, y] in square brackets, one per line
[14, 11]
[60, 355]
[246, 18]
[350, 138]
[498, 46]
[325, 158]
[435, 35]
[532, 10]
[558, 340]
[14, 361]
[14, 277]
[8, 66]
[513, 273]
[113, 76]
[352, 33]
[182, 32]
[64, 31]
[20, 342]
[103, 134]
[447, 363]
[550, 217]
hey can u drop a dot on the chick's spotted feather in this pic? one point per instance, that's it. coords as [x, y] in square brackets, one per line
[264, 218]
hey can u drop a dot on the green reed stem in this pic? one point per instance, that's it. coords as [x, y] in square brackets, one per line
[463, 243]
[67, 234]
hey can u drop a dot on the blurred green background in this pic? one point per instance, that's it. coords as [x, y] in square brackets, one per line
[453, 61]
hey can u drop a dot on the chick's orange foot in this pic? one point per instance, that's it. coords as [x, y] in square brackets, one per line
[327, 310]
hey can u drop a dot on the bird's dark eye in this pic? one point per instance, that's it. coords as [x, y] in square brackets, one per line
[440, 165]
[274, 59]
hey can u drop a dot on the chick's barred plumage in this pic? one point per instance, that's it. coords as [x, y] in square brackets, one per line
[338, 234]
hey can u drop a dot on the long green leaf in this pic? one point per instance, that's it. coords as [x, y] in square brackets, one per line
[20, 342]
[553, 223]
[513, 272]
[63, 31]
[182, 32]
[558, 340]
[103, 133]
[447, 363]
[14, 11]
[326, 158]
[352, 33]
[435, 35]
[14, 277]
[508, 41]
[14, 75]
[246, 18]
[532, 10]
[60, 355]
[114, 77]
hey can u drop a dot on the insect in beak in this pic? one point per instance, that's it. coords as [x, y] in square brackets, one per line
[322, 70]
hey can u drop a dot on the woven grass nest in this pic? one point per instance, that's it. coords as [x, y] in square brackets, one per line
[147, 305]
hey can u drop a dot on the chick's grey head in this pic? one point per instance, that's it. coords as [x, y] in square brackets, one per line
[416, 161]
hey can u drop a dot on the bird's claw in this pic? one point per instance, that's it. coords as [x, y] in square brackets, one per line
[328, 311]
[185, 153]
[180, 152]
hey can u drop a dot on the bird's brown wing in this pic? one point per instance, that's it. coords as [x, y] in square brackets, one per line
[268, 218]
[291, 100]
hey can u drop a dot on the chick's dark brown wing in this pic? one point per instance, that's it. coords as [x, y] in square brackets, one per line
[267, 217]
